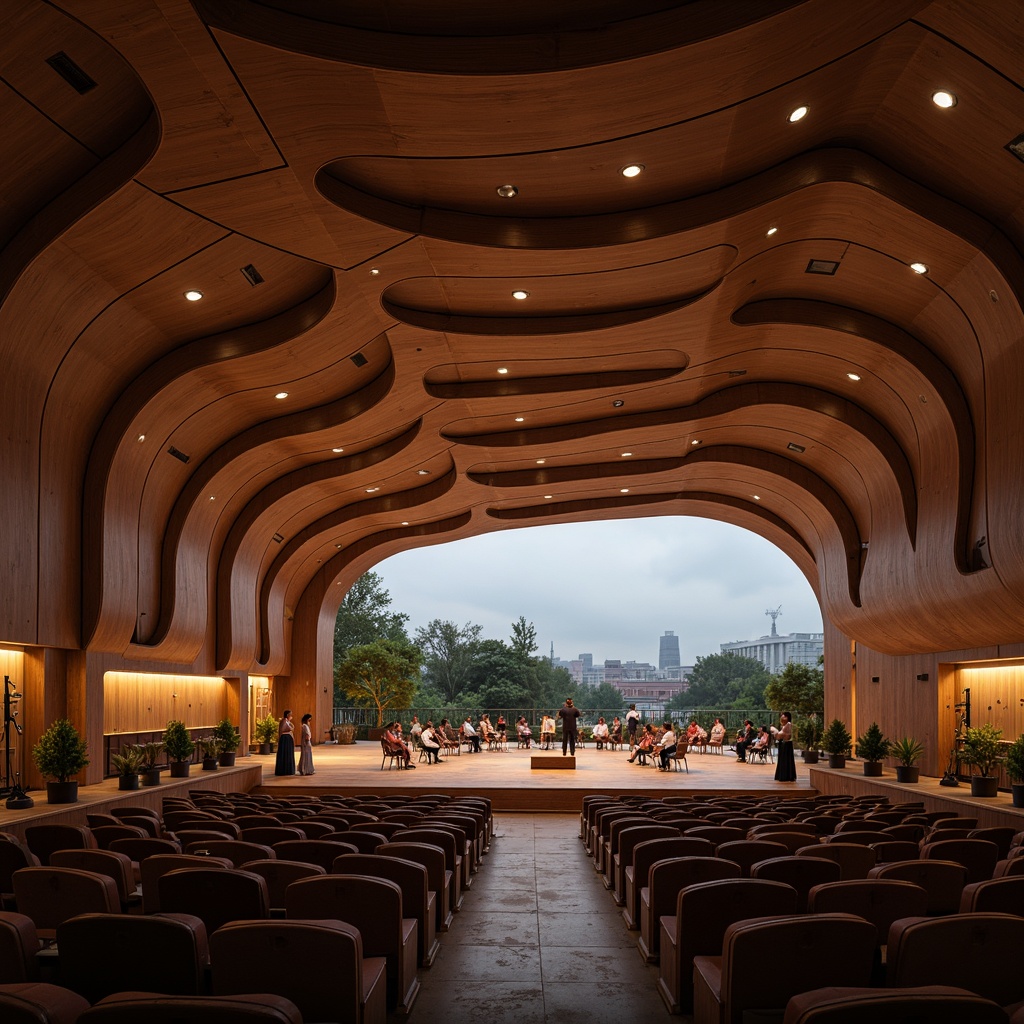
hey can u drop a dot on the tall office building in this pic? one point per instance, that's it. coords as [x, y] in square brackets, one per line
[668, 651]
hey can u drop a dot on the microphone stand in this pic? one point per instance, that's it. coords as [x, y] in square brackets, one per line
[16, 800]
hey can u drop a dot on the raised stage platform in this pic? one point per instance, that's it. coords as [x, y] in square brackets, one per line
[512, 785]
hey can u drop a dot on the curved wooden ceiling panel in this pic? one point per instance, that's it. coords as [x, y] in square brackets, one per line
[328, 174]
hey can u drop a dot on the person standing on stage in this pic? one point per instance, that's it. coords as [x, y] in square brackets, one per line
[632, 724]
[785, 762]
[569, 716]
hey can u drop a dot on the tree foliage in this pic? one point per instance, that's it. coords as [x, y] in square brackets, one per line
[798, 689]
[449, 654]
[724, 681]
[365, 615]
[383, 674]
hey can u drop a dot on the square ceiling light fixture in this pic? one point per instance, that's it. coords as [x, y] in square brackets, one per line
[827, 267]
[1016, 147]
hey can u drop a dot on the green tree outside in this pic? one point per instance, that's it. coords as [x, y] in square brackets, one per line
[383, 674]
[724, 681]
[449, 654]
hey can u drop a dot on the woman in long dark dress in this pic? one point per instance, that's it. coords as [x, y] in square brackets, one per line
[285, 746]
[785, 762]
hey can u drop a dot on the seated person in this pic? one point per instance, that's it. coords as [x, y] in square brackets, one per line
[547, 731]
[501, 726]
[717, 738]
[430, 743]
[601, 734]
[760, 741]
[666, 747]
[468, 733]
[743, 740]
[523, 732]
[692, 731]
[396, 745]
[616, 732]
[644, 747]
[447, 735]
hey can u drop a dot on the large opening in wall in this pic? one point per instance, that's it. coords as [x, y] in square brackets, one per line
[976, 693]
[261, 704]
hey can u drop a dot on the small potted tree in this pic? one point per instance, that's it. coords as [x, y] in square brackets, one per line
[808, 734]
[981, 750]
[836, 743]
[149, 771]
[266, 732]
[210, 746]
[1015, 770]
[179, 747]
[228, 737]
[908, 752]
[59, 754]
[873, 747]
[127, 762]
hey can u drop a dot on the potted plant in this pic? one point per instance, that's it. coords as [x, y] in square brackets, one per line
[872, 747]
[809, 735]
[149, 771]
[210, 746]
[266, 732]
[59, 754]
[1015, 770]
[345, 732]
[127, 762]
[228, 737]
[907, 751]
[179, 747]
[836, 743]
[981, 750]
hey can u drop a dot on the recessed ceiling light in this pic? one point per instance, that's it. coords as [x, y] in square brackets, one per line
[192, 295]
[756, 497]
[618, 403]
[141, 438]
[695, 441]
[281, 394]
[507, 191]
[794, 447]
[632, 170]
[423, 472]
[405, 522]
[540, 462]
[944, 98]
[828, 267]
[337, 451]
[547, 497]
[213, 497]
[519, 419]
[626, 455]
[771, 231]
[502, 369]
[853, 376]
[338, 546]
[370, 490]
[374, 271]
[623, 490]
[520, 294]
[919, 268]
[798, 115]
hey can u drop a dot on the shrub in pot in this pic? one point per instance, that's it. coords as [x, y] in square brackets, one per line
[210, 746]
[179, 747]
[345, 732]
[265, 731]
[907, 751]
[836, 743]
[229, 738]
[149, 771]
[127, 763]
[981, 750]
[873, 747]
[60, 753]
[1015, 770]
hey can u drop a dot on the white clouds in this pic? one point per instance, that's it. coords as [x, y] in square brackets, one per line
[608, 588]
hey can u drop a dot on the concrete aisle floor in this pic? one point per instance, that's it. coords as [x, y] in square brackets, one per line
[538, 939]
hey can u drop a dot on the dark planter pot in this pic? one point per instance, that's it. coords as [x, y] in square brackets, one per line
[151, 777]
[227, 759]
[908, 773]
[266, 748]
[985, 785]
[180, 769]
[1017, 788]
[837, 760]
[209, 764]
[128, 781]
[873, 769]
[809, 756]
[62, 792]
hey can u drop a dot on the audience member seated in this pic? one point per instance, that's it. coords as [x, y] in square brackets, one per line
[644, 747]
[395, 744]
[744, 738]
[524, 733]
[666, 747]
[601, 734]
[468, 733]
[616, 732]
[547, 732]
[430, 743]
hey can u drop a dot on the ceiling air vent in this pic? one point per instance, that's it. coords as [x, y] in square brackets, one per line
[180, 456]
[827, 267]
[71, 72]
[359, 359]
[1016, 147]
[737, 373]
[794, 447]
[252, 275]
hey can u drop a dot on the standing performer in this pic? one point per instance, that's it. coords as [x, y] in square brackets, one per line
[785, 763]
[569, 715]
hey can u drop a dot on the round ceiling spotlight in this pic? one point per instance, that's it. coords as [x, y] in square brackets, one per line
[853, 376]
[507, 191]
[281, 394]
[519, 419]
[520, 294]
[632, 170]
[618, 403]
[798, 115]
[771, 231]
[192, 295]
[337, 451]
[502, 369]
[919, 268]
[944, 98]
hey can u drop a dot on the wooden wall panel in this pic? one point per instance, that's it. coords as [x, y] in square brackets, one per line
[141, 701]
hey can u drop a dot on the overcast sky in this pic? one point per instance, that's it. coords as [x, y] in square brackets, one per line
[608, 588]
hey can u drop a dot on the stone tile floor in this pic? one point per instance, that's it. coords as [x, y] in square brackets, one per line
[538, 939]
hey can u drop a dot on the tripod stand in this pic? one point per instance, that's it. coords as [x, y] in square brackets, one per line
[16, 798]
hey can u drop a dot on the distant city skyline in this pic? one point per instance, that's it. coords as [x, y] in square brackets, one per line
[608, 588]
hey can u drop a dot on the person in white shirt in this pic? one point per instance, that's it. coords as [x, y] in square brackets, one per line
[632, 725]
[667, 747]
[547, 731]
[601, 734]
[470, 734]
[431, 744]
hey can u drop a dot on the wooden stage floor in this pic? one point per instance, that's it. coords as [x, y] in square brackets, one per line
[513, 786]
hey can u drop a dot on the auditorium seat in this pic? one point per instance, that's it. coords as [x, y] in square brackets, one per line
[51, 895]
[19, 944]
[647, 853]
[842, 1005]
[135, 1007]
[214, 895]
[40, 1003]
